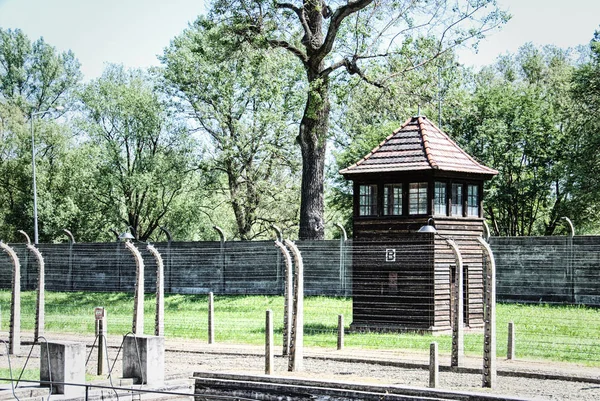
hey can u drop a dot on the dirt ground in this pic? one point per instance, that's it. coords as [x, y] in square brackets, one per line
[551, 381]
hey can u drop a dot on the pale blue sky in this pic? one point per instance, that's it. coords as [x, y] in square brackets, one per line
[133, 32]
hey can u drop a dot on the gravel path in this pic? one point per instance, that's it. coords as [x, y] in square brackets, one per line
[525, 388]
[183, 358]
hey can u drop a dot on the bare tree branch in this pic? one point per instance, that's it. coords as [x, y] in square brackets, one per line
[336, 21]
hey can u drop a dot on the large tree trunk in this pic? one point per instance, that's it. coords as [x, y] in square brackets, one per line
[313, 144]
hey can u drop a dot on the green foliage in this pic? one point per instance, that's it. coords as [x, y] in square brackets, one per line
[359, 38]
[243, 103]
[143, 158]
[369, 114]
[584, 129]
[34, 77]
[514, 123]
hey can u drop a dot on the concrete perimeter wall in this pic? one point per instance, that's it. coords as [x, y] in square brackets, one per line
[530, 269]
[548, 269]
[255, 267]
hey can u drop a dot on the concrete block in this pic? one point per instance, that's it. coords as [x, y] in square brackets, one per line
[67, 365]
[144, 359]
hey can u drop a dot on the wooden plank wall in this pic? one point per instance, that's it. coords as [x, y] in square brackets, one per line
[422, 275]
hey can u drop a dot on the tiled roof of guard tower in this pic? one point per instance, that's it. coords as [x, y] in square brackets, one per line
[417, 145]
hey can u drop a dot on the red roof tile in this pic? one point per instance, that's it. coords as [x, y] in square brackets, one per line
[417, 145]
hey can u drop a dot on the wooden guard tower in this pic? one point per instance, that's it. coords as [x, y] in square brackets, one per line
[402, 278]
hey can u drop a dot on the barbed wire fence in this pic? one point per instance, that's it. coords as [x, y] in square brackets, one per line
[548, 287]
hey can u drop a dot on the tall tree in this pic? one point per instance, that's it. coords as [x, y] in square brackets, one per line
[34, 77]
[584, 128]
[346, 36]
[143, 158]
[516, 123]
[245, 102]
[366, 114]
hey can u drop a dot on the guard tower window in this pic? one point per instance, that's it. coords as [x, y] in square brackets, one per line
[392, 199]
[439, 199]
[473, 200]
[367, 200]
[417, 198]
[457, 199]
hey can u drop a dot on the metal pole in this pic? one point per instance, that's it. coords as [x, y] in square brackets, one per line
[35, 213]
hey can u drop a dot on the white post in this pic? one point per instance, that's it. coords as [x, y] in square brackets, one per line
[14, 336]
[138, 300]
[287, 306]
[159, 320]
[297, 340]
[489, 317]
[458, 348]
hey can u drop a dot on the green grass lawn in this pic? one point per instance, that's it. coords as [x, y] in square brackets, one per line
[559, 333]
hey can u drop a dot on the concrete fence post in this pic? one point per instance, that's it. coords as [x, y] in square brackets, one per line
[434, 366]
[40, 310]
[14, 336]
[221, 256]
[297, 337]
[138, 299]
[489, 317]
[159, 319]
[510, 347]
[69, 235]
[269, 359]
[458, 347]
[211, 318]
[287, 294]
[279, 269]
[340, 339]
[343, 239]
[101, 331]
[40, 292]
[167, 273]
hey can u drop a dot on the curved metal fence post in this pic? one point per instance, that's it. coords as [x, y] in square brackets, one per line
[14, 336]
[159, 321]
[489, 317]
[279, 269]
[297, 337]
[343, 239]
[222, 256]
[486, 231]
[41, 286]
[70, 274]
[41, 292]
[168, 266]
[570, 270]
[458, 347]
[287, 306]
[138, 300]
